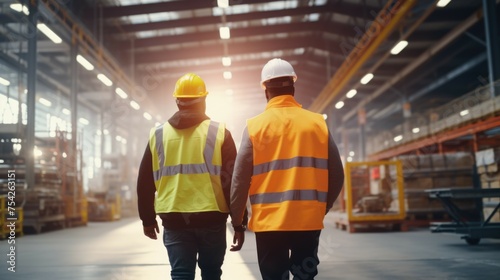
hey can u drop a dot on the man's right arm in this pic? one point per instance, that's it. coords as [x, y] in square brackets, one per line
[242, 176]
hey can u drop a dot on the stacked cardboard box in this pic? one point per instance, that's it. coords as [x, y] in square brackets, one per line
[435, 171]
[488, 167]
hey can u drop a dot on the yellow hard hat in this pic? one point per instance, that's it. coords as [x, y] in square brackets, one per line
[190, 86]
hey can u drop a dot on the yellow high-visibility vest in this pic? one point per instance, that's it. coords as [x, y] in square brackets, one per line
[187, 166]
[289, 186]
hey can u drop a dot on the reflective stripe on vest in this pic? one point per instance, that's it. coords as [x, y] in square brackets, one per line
[263, 198]
[208, 153]
[282, 164]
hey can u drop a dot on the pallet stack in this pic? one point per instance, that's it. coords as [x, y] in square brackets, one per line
[434, 171]
[488, 167]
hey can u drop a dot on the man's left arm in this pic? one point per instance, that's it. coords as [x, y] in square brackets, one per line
[228, 153]
[146, 195]
[335, 173]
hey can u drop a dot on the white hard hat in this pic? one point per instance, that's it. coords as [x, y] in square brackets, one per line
[276, 68]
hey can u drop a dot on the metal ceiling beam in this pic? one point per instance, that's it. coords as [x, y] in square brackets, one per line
[236, 33]
[234, 49]
[151, 8]
[417, 62]
[352, 10]
[387, 20]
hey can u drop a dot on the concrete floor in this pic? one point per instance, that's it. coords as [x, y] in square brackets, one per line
[119, 251]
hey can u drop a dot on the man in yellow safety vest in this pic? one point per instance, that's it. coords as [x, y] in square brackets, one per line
[185, 179]
[289, 166]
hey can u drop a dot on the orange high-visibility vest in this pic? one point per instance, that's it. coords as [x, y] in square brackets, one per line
[187, 166]
[289, 186]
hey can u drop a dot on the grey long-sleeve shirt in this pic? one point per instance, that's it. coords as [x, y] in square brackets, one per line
[243, 171]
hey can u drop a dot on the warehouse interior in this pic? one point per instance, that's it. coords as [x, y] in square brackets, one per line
[409, 89]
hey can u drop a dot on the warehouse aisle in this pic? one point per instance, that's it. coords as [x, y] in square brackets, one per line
[119, 251]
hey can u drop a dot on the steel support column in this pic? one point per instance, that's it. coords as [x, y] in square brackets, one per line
[492, 44]
[74, 123]
[30, 101]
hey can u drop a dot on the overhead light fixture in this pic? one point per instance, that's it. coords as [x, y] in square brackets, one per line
[105, 132]
[84, 62]
[398, 138]
[223, 3]
[227, 75]
[20, 8]
[121, 93]
[135, 105]
[105, 80]
[415, 130]
[351, 93]
[49, 33]
[443, 3]
[399, 47]
[464, 112]
[226, 61]
[147, 116]
[44, 101]
[325, 116]
[4, 82]
[339, 104]
[351, 153]
[66, 111]
[83, 121]
[118, 138]
[367, 78]
[224, 32]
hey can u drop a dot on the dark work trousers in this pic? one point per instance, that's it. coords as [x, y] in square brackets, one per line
[279, 252]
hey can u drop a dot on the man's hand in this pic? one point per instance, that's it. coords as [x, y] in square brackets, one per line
[238, 240]
[150, 231]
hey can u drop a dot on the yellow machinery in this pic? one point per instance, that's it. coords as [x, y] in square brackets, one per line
[104, 206]
[373, 196]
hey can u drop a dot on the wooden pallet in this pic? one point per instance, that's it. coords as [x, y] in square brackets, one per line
[341, 222]
[424, 219]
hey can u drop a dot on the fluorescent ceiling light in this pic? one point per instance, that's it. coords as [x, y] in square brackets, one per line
[325, 116]
[339, 104]
[443, 3]
[351, 153]
[227, 75]
[367, 78]
[464, 112]
[49, 33]
[415, 130]
[118, 138]
[4, 82]
[83, 121]
[84, 62]
[399, 47]
[226, 61]
[135, 105]
[44, 102]
[105, 80]
[66, 111]
[224, 32]
[398, 138]
[105, 132]
[351, 93]
[121, 93]
[223, 3]
[147, 116]
[20, 8]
